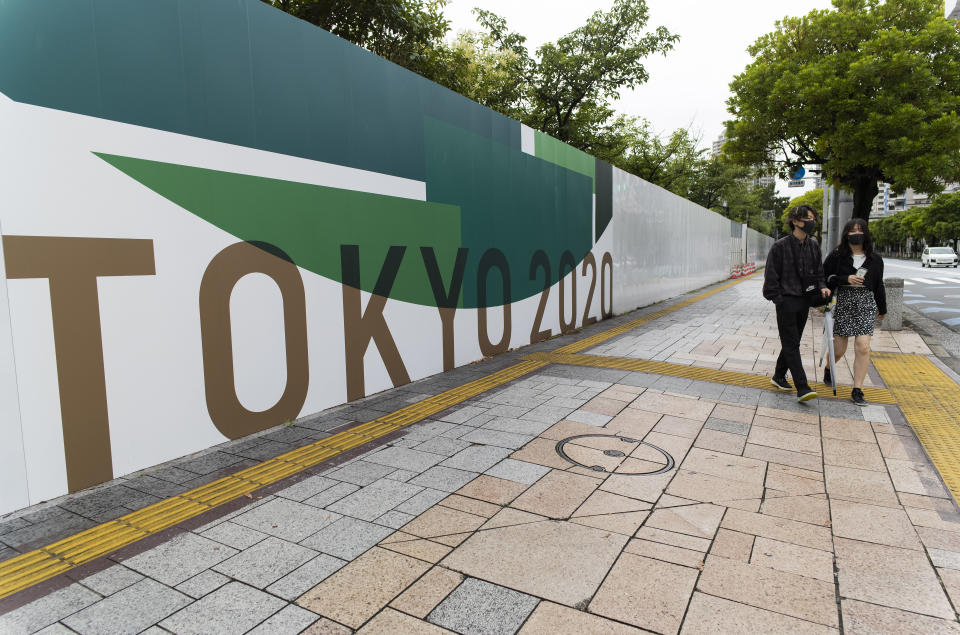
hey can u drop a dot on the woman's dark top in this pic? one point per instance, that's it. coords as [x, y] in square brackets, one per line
[838, 267]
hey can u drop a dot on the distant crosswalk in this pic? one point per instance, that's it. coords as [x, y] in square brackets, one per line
[932, 281]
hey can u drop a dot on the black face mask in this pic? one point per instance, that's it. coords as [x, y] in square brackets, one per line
[809, 226]
[855, 239]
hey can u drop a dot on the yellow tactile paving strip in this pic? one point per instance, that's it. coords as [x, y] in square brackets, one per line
[36, 566]
[733, 378]
[930, 400]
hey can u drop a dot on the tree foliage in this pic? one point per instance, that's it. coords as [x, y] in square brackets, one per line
[568, 84]
[869, 90]
[935, 224]
[813, 198]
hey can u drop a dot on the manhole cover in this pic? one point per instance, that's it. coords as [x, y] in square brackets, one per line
[614, 454]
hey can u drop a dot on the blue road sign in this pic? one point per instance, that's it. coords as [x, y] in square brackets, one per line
[798, 173]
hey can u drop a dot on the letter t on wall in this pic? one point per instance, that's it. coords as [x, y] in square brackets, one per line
[72, 266]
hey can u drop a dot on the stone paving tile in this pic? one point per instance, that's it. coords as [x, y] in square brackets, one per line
[782, 440]
[203, 583]
[266, 562]
[869, 523]
[306, 488]
[589, 418]
[893, 577]
[358, 591]
[89, 504]
[375, 499]
[863, 485]
[179, 559]
[646, 593]
[709, 615]
[427, 592]
[783, 457]
[333, 494]
[234, 608]
[518, 471]
[712, 489]
[551, 412]
[129, 611]
[497, 438]
[363, 472]
[389, 621]
[807, 509]
[861, 618]
[443, 446]
[288, 620]
[347, 538]
[234, 535]
[462, 415]
[695, 520]
[733, 545]
[722, 465]
[401, 458]
[493, 490]
[286, 519]
[154, 486]
[524, 557]
[394, 519]
[791, 531]
[765, 588]
[470, 505]
[556, 495]
[916, 478]
[542, 452]
[783, 556]
[549, 618]
[517, 426]
[47, 610]
[111, 580]
[667, 553]
[726, 442]
[422, 502]
[480, 608]
[307, 576]
[444, 479]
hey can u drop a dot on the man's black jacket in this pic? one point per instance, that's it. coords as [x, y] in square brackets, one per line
[838, 267]
[791, 267]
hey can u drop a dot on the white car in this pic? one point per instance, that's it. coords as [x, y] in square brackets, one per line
[939, 257]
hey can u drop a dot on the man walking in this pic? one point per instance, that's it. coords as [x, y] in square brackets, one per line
[792, 280]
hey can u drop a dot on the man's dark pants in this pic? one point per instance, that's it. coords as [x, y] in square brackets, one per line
[791, 319]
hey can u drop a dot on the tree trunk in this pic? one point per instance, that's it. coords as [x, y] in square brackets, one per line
[865, 189]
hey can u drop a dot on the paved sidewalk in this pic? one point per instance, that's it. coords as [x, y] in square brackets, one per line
[768, 515]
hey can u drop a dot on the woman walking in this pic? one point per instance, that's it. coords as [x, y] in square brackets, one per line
[855, 273]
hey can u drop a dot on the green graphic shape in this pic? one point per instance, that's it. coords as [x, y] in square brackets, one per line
[557, 152]
[310, 222]
[510, 201]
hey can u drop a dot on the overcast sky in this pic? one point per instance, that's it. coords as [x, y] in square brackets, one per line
[688, 87]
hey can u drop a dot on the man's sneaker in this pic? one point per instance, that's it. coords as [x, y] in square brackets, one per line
[806, 394]
[857, 397]
[781, 383]
[826, 375]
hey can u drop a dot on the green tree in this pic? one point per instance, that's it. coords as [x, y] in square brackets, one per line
[716, 181]
[869, 90]
[671, 162]
[569, 84]
[813, 198]
[942, 219]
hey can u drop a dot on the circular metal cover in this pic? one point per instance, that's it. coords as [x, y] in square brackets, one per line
[612, 454]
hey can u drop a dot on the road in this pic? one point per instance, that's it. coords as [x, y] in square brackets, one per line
[933, 292]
